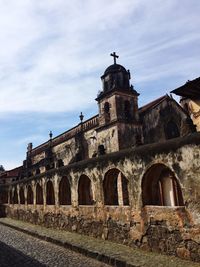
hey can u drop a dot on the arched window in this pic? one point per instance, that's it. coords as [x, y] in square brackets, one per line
[84, 191]
[127, 110]
[115, 187]
[107, 112]
[29, 195]
[15, 196]
[106, 107]
[160, 187]
[171, 130]
[21, 196]
[50, 197]
[64, 192]
[39, 194]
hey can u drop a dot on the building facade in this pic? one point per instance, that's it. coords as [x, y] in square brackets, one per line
[128, 174]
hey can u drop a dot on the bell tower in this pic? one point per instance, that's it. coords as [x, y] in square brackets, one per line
[118, 104]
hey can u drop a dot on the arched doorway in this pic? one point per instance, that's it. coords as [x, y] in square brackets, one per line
[21, 196]
[39, 195]
[50, 197]
[115, 188]
[85, 196]
[64, 192]
[160, 187]
[29, 195]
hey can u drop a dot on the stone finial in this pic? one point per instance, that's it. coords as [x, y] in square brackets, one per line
[50, 135]
[29, 147]
[81, 117]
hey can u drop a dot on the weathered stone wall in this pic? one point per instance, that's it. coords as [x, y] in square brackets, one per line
[85, 142]
[171, 230]
[108, 137]
[156, 119]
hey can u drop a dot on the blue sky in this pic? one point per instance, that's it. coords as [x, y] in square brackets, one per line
[53, 52]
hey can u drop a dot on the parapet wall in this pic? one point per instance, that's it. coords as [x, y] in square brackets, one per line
[153, 226]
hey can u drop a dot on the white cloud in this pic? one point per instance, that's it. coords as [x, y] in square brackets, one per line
[53, 51]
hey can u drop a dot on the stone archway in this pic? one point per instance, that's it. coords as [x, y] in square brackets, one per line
[160, 187]
[85, 196]
[15, 196]
[115, 188]
[21, 196]
[29, 195]
[64, 192]
[50, 196]
[39, 194]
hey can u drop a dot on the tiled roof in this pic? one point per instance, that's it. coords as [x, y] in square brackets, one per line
[11, 173]
[190, 89]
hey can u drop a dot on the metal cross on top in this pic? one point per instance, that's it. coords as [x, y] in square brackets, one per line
[114, 56]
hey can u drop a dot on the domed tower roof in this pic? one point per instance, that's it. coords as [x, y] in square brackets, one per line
[114, 68]
[116, 78]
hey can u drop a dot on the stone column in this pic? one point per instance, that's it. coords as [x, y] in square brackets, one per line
[168, 191]
[25, 195]
[56, 189]
[34, 195]
[9, 196]
[44, 192]
[18, 198]
[74, 190]
[119, 189]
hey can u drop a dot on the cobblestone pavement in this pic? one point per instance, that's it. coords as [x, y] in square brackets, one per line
[18, 250]
[17, 236]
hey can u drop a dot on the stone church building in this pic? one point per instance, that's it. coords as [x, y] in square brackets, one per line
[129, 174]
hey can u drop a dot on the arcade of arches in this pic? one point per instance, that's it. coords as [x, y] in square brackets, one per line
[160, 187]
[124, 203]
